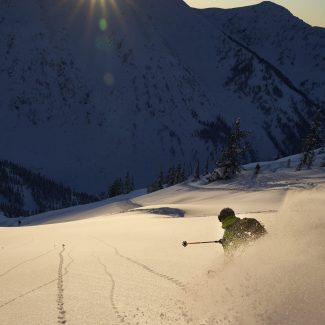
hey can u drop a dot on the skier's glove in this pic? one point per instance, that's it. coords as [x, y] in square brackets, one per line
[221, 241]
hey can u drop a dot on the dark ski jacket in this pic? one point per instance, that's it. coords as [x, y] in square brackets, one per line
[240, 231]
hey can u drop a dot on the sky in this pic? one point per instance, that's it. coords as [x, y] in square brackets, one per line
[311, 11]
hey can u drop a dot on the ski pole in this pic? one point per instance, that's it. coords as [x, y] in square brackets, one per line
[185, 243]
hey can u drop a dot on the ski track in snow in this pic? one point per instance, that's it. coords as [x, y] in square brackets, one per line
[27, 293]
[60, 300]
[26, 261]
[112, 293]
[184, 311]
[145, 267]
[60, 285]
[66, 270]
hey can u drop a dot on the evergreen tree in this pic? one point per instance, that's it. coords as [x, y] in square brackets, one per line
[132, 184]
[289, 163]
[116, 188]
[170, 180]
[230, 162]
[127, 188]
[257, 169]
[322, 164]
[183, 174]
[158, 184]
[47, 194]
[197, 170]
[178, 174]
[312, 141]
[206, 168]
[160, 180]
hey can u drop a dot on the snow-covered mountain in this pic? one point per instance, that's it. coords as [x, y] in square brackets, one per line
[89, 94]
[285, 41]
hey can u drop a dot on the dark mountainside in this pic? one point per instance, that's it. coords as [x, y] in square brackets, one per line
[86, 100]
[26, 193]
[281, 39]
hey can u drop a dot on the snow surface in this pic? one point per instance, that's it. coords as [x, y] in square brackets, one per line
[121, 264]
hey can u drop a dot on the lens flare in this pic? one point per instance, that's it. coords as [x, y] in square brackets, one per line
[94, 8]
[109, 79]
[102, 24]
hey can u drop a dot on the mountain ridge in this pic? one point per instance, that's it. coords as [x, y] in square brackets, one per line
[293, 46]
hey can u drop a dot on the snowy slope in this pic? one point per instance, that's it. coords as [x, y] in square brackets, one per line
[280, 174]
[127, 266]
[84, 105]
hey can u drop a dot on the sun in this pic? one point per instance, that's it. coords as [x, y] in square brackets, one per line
[94, 8]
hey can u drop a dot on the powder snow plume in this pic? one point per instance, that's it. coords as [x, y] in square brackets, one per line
[278, 280]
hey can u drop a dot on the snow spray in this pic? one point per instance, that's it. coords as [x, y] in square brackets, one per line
[280, 279]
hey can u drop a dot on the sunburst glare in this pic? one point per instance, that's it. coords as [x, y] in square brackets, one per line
[99, 9]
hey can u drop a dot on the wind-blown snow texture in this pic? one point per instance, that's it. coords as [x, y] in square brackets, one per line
[84, 106]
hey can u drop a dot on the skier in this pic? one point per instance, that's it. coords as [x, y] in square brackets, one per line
[238, 231]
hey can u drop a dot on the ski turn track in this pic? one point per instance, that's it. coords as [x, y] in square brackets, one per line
[184, 311]
[176, 282]
[26, 261]
[27, 293]
[112, 293]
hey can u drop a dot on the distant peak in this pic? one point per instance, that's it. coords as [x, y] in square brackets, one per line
[271, 4]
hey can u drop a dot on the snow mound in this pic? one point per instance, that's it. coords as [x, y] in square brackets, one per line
[166, 211]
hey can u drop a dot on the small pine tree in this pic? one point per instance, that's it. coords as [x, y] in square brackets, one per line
[149, 189]
[126, 185]
[183, 174]
[116, 188]
[197, 170]
[322, 164]
[178, 174]
[132, 184]
[257, 169]
[160, 180]
[289, 163]
[206, 168]
[311, 142]
[158, 184]
[127, 188]
[170, 180]
[230, 162]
